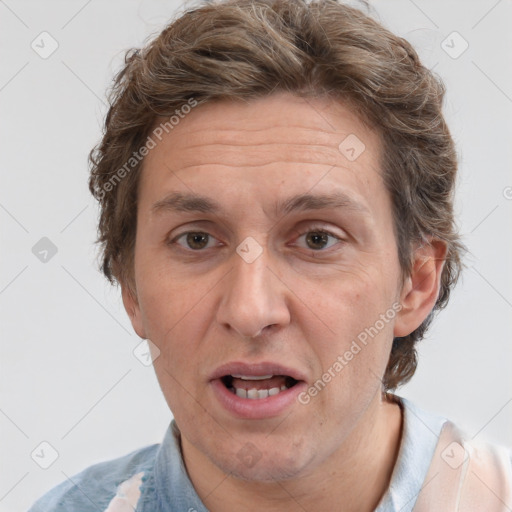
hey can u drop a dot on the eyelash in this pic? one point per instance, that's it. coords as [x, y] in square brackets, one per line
[321, 231]
[311, 229]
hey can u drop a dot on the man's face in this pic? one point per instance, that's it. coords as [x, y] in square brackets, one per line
[272, 287]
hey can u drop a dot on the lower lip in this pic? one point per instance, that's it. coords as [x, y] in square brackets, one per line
[256, 409]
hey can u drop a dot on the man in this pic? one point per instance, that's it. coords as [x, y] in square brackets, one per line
[276, 182]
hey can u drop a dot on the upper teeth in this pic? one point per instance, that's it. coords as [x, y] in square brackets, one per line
[256, 394]
[252, 377]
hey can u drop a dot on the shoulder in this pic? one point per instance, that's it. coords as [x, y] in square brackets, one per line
[440, 467]
[94, 488]
[469, 473]
[464, 473]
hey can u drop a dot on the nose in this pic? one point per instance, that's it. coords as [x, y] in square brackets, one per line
[254, 297]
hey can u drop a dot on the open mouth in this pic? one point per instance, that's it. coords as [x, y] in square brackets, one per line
[257, 387]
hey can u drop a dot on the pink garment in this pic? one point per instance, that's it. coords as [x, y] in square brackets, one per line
[466, 476]
[127, 496]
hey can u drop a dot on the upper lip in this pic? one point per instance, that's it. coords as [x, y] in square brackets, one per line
[256, 370]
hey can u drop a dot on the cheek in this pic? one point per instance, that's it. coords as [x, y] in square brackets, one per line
[166, 299]
[175, 322]
[177, 312]
[354, 352]
[349, 304]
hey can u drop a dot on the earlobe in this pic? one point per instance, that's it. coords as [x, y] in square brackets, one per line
[421, 288]
[131, 305]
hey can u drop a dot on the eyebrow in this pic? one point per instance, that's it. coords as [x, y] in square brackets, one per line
[195, 203]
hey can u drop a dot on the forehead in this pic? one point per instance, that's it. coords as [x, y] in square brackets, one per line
[265, 146]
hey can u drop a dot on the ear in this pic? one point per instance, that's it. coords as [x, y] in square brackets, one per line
[131, 305]
[421, 289]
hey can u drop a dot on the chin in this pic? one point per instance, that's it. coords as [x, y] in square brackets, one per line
[265, 461]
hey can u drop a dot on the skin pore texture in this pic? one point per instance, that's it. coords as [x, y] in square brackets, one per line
[325, 273]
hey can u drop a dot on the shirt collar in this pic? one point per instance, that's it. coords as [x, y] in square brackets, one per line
[420, 434]
[173, 486]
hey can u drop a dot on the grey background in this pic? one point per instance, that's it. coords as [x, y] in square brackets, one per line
[68, 373]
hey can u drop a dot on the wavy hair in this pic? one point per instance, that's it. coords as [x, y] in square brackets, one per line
[247, 49]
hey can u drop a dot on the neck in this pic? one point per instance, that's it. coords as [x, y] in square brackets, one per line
[340, 483]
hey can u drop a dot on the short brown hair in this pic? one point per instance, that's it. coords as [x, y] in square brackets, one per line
[245, 49]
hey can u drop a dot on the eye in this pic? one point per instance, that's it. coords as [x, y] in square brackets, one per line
[319, 239]
[195, 240]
